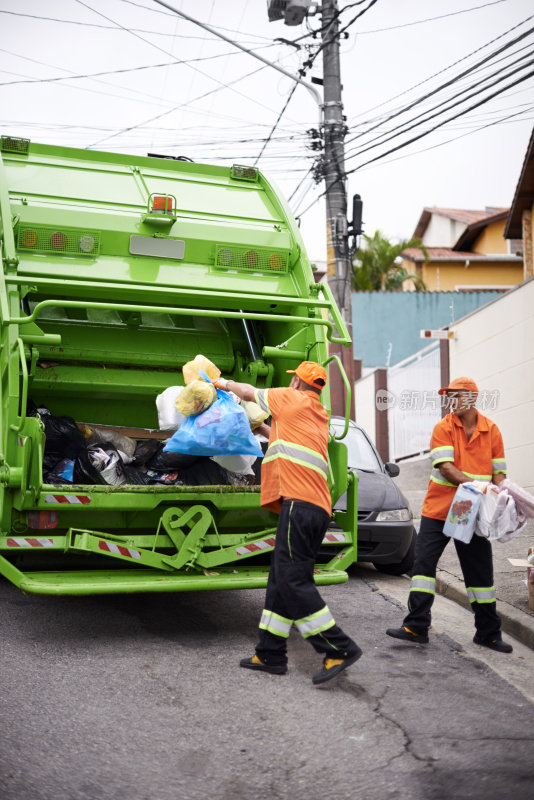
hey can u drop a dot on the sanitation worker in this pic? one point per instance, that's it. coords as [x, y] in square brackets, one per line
[465, 446]
[294, 485]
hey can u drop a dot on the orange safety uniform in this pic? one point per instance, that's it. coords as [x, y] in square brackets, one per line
[479, 458]
[291, 468]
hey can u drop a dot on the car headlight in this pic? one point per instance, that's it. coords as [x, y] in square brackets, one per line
[395, 515]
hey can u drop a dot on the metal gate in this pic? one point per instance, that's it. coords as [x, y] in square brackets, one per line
[414, 402]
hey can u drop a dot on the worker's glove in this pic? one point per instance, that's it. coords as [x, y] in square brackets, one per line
[221, 383]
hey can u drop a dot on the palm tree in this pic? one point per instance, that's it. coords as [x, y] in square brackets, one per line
[377, 266]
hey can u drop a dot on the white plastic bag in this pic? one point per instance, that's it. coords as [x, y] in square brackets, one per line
[169, 418]
[236, 463]
[524, 500]
[462, 516]
[499, 519]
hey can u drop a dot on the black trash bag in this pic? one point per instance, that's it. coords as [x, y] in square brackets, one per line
[63, 440]
[135, 476]
[144, 451]
[84, 471]
[204, 472]
[170, 462]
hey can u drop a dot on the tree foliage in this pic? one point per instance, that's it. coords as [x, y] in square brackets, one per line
[377, 265]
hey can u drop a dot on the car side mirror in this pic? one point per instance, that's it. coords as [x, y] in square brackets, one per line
[392, 469]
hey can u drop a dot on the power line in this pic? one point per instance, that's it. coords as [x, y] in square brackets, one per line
[112, 71]
[447, 68]
[432, 19]
[111, 27]
[175, 108]
[280, 115]
[442, 107]
[195, 69]
[219, 27]
[426, 133]
[444, 122]
[449, 82]
[501, 121]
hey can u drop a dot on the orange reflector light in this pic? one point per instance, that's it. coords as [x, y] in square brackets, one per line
[58, 241]
[28, 238]
[162, 203]
[276, 261]
[251, 259]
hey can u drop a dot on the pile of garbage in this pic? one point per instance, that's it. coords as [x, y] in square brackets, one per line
[211, 441]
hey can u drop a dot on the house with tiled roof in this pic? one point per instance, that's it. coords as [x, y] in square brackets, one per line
[465, 250]
[520, 223]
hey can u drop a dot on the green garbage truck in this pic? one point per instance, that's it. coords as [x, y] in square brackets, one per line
[116, 271]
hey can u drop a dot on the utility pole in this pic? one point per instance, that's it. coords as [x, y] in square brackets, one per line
[338, 271]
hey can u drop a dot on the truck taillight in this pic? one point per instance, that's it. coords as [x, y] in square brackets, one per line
[42, 520]
[276, 261]
[28, 238]
[251, 259]
[58, 241]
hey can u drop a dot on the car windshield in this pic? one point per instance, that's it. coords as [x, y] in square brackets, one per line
[361, 454]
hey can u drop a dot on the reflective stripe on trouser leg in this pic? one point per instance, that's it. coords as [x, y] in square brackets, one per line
[275, 624]
[315, 623]
[481, 594]
[422, 583]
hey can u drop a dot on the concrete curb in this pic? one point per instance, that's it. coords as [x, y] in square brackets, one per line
[514, 622]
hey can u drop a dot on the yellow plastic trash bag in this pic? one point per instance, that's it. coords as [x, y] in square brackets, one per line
[192, 368]
[254, 413]
[195, 398]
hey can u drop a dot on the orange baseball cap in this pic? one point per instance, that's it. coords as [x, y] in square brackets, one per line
[467, 384]
[312, 373]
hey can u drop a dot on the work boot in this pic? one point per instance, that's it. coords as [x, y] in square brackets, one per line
[493, 644]
[333, 666]
[257, 664]
[407, 635]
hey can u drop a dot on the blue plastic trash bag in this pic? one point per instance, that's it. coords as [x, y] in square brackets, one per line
[222, 430]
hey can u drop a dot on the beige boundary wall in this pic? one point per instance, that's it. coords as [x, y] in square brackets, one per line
[495, 346]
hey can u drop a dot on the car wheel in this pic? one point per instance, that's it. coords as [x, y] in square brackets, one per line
[402, 567]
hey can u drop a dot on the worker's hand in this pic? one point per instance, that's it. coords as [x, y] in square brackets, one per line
[221, 383]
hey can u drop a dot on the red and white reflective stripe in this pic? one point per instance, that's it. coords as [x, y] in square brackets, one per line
[68, 498]
[254, 547]
[29, 542]
[335, 537]
[118, 549]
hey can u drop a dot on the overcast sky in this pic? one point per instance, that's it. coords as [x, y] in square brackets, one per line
[186, 92]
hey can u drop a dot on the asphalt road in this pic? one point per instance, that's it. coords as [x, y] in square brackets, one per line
[141, 698]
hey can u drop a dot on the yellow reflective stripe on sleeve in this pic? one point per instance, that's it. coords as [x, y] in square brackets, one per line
[498, 465]
[275, 624]
[481, 594]
[436, 477]
[315, 623]
[439, 455]
[261, 398]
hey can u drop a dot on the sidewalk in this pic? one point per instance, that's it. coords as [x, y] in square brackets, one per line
[510, 582]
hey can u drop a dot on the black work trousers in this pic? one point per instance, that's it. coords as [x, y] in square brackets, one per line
[477, 568]
[292, 596]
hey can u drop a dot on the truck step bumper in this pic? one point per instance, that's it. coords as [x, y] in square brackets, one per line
[133, 581]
